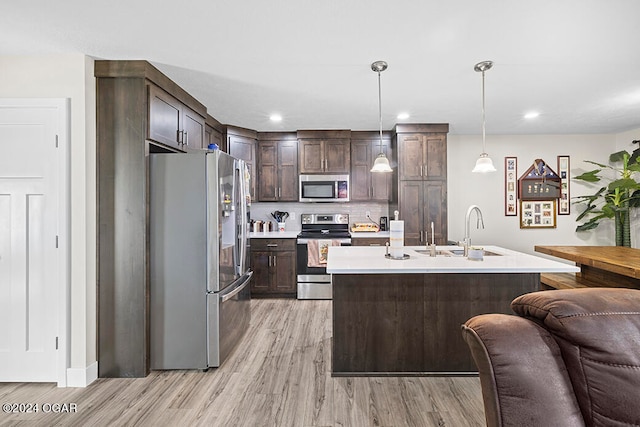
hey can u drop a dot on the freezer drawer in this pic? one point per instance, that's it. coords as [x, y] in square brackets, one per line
[229, 317]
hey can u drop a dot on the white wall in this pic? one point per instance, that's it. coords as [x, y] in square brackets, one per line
[487, 191]
[69, 76]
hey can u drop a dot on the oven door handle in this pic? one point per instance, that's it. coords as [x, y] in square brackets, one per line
[305, 241]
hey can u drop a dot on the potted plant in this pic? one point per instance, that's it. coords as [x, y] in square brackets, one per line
[615, 199]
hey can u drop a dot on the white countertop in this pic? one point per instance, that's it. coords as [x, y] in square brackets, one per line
[274, 235]
[371, 260]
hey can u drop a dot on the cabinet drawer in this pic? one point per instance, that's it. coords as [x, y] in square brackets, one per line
[369, 241]
[273, 244]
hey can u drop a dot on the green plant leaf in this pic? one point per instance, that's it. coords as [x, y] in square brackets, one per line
[618, 156]
[603, 166]
[587, 226]
[591, 176]
[608, 211]
[623, 184]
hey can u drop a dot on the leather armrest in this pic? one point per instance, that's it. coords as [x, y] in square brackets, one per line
[523, 377]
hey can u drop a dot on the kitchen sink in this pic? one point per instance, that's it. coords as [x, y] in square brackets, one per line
[453, 252]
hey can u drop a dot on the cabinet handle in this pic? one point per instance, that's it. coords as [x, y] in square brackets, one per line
[179, 137]
[274, 260]
[421, 170]
[420, 236]
[186, 139]
[269, 260]
[279, 191]
[272, 245]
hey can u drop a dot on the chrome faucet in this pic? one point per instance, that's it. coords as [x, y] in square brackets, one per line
[467, 218]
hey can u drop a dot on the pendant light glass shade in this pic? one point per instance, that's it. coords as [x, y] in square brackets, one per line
[484, 163]
[381, 164]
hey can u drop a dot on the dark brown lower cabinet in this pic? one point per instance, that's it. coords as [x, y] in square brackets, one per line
[409, 324]
[273, 262]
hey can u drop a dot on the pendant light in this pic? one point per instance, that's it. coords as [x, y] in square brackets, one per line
[484, 163]
[381, 164]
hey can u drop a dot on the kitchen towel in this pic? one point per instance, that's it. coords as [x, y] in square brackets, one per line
[318, 251]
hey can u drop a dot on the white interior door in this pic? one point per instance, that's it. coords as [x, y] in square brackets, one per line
[30, 258]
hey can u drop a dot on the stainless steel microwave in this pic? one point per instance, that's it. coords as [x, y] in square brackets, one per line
[324, 188]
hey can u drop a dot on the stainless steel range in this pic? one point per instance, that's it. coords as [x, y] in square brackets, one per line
[318, 232]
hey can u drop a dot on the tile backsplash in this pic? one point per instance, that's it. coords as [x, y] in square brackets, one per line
[357, 211]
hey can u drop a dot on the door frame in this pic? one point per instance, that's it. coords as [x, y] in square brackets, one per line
[61, 107]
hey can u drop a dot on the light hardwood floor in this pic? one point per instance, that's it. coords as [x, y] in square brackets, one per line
[279, 375]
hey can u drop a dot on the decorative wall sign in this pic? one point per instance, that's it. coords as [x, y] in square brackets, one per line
[510, 186]
[539, 182]
[564, 206]
[538, 213]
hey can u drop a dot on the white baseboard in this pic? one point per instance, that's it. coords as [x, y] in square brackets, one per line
[82, 377]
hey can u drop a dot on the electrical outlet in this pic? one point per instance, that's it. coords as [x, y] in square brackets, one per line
[292, 215]
[368, 213]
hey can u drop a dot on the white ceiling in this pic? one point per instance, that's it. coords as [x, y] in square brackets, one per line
[577, 62]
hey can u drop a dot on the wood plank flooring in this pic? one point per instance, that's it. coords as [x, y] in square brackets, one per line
[279, 375]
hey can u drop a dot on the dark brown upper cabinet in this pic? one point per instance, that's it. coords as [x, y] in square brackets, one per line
[213, 134]
[277, 167]
[422, 154]
[367, 185]
[324, 151]
[173, 123]
[242, 144]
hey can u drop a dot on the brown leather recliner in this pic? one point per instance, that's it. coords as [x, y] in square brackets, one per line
[570, 358]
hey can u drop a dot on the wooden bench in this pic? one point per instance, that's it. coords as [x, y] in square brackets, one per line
[565, 281]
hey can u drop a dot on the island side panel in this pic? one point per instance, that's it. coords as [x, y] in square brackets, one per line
[452, 299]
[376, 323]
[404, 324]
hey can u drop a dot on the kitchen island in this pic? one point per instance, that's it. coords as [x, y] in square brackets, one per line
[403, 317]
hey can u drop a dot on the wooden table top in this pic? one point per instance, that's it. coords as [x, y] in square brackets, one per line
[616, 259]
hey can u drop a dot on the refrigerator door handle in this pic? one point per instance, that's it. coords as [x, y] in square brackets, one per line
[239, 288]
[238, 192]
[243, 212]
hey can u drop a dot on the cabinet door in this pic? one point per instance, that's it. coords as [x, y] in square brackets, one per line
[411, 207]
[410, 157]
[435, 210]
[268, 172]
[367, 185]
[164, 117]
[287, 168]
[244, 148]
[380, 182]
[337, 154]
[260, 262]
[283, 265]
[360, 167]
[310, 156]
[193, 129]
[436, 153]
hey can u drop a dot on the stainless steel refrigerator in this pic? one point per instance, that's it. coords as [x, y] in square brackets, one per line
[199, 258]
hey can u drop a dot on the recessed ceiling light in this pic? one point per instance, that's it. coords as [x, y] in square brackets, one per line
[403, 116]
[531, 115]
[275, 118]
